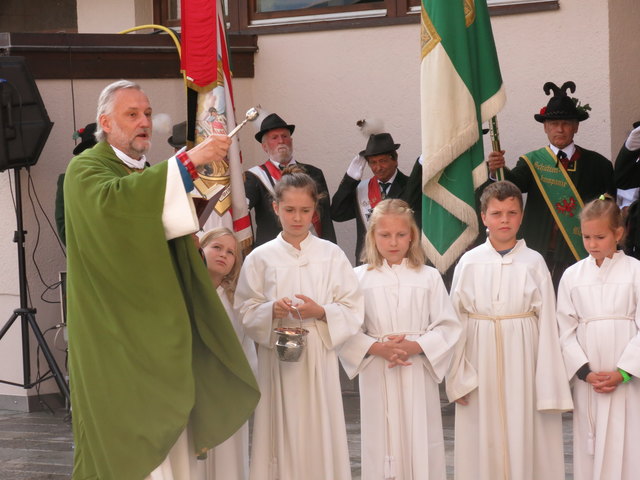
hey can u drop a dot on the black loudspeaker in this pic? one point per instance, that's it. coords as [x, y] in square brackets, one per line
[24, 123]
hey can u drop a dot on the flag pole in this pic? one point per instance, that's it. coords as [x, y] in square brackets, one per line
[495, 142]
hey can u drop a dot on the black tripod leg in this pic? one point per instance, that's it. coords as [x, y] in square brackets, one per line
[7, 325]
[57, 373]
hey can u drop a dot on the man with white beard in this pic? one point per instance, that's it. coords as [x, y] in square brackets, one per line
[275, 137]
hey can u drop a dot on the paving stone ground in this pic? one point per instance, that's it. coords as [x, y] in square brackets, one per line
[39, 445]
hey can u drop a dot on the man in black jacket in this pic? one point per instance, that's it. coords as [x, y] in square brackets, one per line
[356, 198]
[275, 137]
[556, 178]
[627, 176]
[627, 168]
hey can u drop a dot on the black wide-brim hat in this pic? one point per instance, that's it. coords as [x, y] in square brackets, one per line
[271, 122]
[560, 106]
[378, 144]
[178, 138]
[87, 138]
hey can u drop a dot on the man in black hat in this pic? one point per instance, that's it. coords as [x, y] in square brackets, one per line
[178, 138]
[559, 178]
[356, 198]
[275, 137]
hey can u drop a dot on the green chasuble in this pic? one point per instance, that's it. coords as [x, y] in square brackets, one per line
[151, 348]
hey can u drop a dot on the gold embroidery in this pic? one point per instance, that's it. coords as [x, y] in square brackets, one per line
[545, 168]
[553, 181]
[469, 12]
[429, 37]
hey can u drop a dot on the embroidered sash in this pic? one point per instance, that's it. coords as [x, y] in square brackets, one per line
[368, 195]
[561, 196]
[268, 174]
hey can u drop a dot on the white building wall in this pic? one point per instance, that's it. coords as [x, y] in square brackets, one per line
[113, 16]
[624, 68]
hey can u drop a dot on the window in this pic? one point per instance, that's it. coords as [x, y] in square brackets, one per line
[166, 12]
[269, 16]
[264, 6]
[502, 7]
[282, 16]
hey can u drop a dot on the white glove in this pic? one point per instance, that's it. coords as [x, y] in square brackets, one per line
[356, 167]
[633, 141]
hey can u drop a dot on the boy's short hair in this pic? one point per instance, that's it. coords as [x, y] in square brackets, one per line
[500, 191]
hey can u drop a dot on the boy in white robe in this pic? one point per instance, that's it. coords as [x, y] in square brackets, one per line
[507, 377]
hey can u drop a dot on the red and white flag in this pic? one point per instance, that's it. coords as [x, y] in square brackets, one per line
[205, 64]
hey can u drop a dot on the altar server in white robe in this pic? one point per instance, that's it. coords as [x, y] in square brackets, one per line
[402, 352]
[222, 253]
[299, 430]
[507, 377]
[599, 319]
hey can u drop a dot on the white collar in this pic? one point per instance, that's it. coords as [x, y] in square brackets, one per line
[128, 161]
[569, 149]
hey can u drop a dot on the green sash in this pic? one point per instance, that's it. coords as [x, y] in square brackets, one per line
[561, 195]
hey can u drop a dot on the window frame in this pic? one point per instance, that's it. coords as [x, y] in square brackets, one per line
[392, 12]
[385, 12]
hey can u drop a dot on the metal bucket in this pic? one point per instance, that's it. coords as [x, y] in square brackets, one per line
[290, 341]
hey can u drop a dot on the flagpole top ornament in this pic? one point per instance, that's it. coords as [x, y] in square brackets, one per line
[250, 116]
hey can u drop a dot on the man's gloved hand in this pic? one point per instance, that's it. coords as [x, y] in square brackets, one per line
[356, 167]
[633, 141]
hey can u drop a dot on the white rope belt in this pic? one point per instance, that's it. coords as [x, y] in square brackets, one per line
[496, 319]
[604, 317]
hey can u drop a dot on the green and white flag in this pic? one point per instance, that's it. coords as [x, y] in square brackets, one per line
[461, 87]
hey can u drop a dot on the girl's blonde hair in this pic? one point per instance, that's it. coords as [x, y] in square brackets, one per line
[416, 256]
[603, 206]
[230, 280]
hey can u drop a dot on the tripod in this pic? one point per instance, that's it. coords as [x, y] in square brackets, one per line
[27, 314]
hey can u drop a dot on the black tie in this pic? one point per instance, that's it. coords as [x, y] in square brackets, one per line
[281, 167]
[562, 158]
[384, 186]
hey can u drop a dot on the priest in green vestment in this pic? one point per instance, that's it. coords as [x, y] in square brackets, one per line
[153, 357]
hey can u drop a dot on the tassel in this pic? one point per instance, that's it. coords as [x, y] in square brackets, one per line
[389, 467]
[591, 444]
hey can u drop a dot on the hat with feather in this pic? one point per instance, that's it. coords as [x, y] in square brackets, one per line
[378, 142]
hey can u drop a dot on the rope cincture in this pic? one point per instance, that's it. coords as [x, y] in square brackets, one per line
[496, 319]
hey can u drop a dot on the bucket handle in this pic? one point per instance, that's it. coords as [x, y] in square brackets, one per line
[295, 309]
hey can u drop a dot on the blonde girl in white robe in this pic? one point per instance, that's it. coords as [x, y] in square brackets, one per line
[402, 352]
[221, 250]
[599, 322]
[299, 429]
[507, 377]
